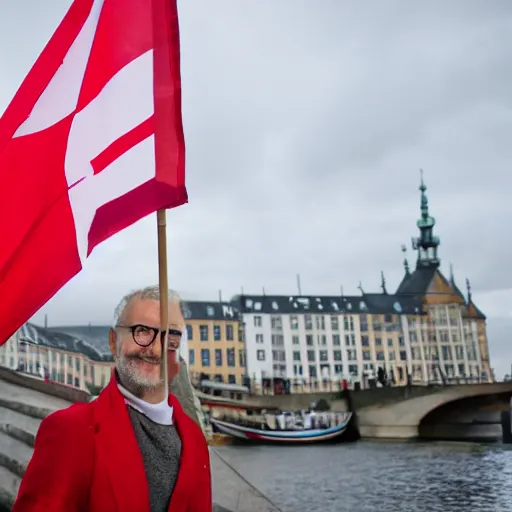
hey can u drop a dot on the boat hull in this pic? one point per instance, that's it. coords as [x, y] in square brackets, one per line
[284, 437]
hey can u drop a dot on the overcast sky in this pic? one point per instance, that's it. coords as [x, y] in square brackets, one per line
[306, 123]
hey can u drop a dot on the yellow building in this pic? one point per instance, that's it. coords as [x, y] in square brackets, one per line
[216, 345]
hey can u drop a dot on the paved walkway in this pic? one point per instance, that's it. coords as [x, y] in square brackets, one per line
[231, 492]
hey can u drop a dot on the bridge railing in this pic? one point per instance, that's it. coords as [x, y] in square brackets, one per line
[280, 386]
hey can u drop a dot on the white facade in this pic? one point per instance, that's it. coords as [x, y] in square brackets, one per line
[9, 353]
[59, 365]
[304, 347]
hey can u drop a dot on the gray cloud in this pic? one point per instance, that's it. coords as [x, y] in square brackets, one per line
[306, 124]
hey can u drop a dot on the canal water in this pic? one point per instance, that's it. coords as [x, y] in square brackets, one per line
[379, 476]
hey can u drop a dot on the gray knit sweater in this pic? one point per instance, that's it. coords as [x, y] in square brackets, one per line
[160, 446]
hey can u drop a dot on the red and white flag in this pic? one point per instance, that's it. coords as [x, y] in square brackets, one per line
[91, 143]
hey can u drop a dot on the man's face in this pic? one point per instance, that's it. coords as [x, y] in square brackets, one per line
[139, 367]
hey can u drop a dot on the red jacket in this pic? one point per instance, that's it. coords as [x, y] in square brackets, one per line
[86, 459]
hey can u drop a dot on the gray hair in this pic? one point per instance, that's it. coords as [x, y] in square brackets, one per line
[147, 293]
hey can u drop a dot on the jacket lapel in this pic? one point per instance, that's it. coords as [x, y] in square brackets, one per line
[119, 452]
[183, 488]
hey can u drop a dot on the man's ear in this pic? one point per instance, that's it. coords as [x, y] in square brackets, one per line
[112, 338]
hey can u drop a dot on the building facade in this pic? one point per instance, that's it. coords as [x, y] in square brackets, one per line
[425, 332]
[57, 356]
[215, 341]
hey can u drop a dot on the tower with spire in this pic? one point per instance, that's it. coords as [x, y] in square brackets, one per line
[426, 244]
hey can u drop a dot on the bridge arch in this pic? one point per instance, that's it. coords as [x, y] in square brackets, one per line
[404, 418]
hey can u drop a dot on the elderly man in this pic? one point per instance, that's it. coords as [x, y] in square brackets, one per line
[132, 449]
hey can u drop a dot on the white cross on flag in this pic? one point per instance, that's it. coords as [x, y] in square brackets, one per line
[91, 143]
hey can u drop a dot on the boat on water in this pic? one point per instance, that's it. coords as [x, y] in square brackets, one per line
[302, 427]
[229, 411]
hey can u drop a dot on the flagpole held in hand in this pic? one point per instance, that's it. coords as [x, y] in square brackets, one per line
[164, 295]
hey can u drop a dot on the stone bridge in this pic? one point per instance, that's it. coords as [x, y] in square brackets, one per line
[468, 411]
[453, 411]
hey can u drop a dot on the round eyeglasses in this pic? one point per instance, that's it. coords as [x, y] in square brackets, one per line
[144, 335]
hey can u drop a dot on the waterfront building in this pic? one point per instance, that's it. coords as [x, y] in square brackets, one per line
[58, 356]
[215, 341]
[425, 332]
[79, 356]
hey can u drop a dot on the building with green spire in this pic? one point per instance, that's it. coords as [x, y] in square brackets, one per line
[452, 324]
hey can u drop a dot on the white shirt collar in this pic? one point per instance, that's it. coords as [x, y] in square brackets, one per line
[161, 412]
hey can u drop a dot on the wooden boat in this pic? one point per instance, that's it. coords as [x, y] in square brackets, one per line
[304, 427]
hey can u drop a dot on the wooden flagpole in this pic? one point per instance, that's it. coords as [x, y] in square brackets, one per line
[164, 295]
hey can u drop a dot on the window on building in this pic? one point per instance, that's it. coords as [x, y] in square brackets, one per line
[190, 332]
[365, 341]
[231, 379]
[205, 357]
[447, 353]
[191, 356]
[241, 330]
[313, 373]
[351, 354]
[403, 355]
[309, 340]
[416, 353]
[322, 340]
[353, 370]
[367, 356]
[311, 356]
[260, 355]
[218, 357]
[229, 332]
[294, 322]
[378, 342]
[259, 338]
[308, 322]
[336, 340]
[203, 332]
[276, 323]
[231, 357]
[335, 326]
[380, 355]
[277, 340]
[324, 356]
[320, 322]
[295, 340]
[297, 369]
[278, 355]
[216, 333]
[338, 369]
[296, 355]
[257, 321]
[241, 358]
[337, 355]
